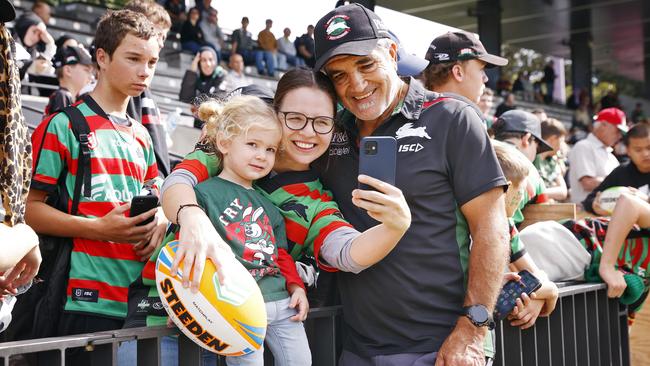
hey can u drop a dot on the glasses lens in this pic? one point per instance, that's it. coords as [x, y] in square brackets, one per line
[295, 120]
[323, 124]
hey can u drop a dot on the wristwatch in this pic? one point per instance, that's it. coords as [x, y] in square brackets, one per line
[479, 316]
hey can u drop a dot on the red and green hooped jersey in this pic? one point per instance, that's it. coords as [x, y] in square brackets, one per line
[122, 160]
[310, 213]
[517, 249]
[634, 256]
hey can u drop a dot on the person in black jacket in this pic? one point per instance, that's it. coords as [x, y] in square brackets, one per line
[204, 77]
[191, 34]
[635, 173]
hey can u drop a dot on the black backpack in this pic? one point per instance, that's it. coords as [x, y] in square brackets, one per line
[36, 312]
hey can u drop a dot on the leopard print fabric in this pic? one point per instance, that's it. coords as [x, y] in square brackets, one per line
[15, 145]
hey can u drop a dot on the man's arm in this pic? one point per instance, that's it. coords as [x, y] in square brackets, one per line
[590, 183]
[488, 226]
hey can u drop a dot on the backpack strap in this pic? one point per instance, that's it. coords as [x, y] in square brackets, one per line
[81, 131]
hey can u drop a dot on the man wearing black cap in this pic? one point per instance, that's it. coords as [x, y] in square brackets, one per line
[524, 130]
[431, 299]
[74, 70]
[457, 62]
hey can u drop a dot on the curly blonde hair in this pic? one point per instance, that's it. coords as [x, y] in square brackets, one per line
[226, 120]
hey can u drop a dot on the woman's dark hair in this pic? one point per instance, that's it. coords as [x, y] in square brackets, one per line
[303, 78]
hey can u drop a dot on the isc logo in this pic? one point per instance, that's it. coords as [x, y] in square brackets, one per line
[410, 147]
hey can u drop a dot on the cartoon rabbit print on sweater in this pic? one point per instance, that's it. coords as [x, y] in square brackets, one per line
[259, 242]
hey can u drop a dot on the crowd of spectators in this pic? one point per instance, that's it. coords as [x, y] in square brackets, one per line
[535, 160]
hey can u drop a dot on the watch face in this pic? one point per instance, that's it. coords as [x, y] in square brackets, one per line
[479, 314]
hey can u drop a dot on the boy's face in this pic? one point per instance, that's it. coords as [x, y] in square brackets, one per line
[514, 196]
[80, 75]
[130, 70]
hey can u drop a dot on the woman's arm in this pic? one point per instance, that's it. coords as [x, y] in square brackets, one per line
[386, 205]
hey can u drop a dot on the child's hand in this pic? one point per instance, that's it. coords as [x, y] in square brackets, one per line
[510, 276]
[298, 302]
[525, 313]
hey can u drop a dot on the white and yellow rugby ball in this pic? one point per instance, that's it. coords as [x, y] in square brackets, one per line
[609, 197]
[227, 319]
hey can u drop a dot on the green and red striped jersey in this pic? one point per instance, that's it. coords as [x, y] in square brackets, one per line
[122, 160]
[309, 211]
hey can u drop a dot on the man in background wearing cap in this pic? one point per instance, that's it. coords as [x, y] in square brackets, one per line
[591, 159]
[457, 62]
[74, 71]
[524, 130]
[441, 296]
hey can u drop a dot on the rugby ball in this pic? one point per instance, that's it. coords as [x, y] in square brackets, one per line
[228, 319]
[609, 197]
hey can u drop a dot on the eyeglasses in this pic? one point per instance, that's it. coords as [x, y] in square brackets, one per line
[297, 121]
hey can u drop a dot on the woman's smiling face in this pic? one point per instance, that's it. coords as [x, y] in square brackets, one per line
[302, 147]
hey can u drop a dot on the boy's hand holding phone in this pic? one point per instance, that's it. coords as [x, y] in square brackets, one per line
[117, 226]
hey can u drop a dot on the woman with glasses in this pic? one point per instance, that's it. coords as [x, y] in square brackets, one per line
[316, 231]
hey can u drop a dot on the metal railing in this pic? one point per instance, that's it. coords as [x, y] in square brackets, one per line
[586, 328]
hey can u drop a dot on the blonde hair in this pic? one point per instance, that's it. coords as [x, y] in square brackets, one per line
[235, 117]
[514, 164]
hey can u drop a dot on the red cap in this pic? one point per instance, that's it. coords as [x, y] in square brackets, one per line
[613, 116]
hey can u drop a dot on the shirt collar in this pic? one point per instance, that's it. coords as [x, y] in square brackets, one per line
[596, 141]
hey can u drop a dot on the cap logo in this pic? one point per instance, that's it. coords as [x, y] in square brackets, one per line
[337, 27]
[466, 52]
[441, 56]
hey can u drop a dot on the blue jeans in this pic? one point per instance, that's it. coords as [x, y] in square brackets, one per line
[262, 58]
[127, 353]
[286, 339]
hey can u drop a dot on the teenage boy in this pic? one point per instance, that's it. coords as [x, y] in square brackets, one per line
[74, 70]
[108, 247]
[516, 169]
[142, 108]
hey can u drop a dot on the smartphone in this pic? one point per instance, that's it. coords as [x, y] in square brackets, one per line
[142, 204]
[378, 159]
[512, 290]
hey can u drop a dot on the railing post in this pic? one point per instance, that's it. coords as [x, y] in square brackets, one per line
[104, 355]
[557, 335]
[149, 351]
[189, 353]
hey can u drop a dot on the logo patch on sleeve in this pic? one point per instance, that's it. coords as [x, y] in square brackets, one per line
[85, 294]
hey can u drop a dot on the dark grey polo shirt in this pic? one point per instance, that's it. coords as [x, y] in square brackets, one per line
[410, 301]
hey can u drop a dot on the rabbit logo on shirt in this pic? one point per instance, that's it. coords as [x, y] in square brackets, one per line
[258, 238]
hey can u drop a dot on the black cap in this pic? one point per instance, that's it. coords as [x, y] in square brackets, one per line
[71, 56]
[460, 46]
[7, 11]
[254, 90]
[521, 121]
[347, 30]
[407, 64]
